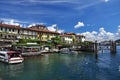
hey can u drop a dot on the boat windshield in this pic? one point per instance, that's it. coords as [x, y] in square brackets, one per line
[14, 55]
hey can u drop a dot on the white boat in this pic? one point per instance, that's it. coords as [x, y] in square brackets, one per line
[64, 50]
[11, 57]
[68, 51]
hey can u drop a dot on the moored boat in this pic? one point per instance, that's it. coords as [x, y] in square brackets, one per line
[68, 51]
[11, 57]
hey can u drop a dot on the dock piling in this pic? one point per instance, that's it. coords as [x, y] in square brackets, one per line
[96, 47]
[113, 47]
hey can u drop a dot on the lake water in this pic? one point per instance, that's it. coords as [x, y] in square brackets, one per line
[82, 66]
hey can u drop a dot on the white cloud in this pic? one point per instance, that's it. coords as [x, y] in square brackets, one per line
[118, 33]
[119, 26]
[90, 35]
[79, 24]
[106, 0]
[33, 2]
[88, 5]
[91, 4]
[94, 32]
[51, 1]
[13, 21]
[61, 31]
[54, 27]
[101, 35]
[10, 21]
[31, 25]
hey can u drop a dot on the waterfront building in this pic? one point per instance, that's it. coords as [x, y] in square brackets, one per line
[72, 38]
[80, 38]
[43, 33]
[10, 34]
[66, 38]
[26, 33]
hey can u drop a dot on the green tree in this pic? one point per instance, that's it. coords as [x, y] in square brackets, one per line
[74, 39]
[28, 40]
[56, 40]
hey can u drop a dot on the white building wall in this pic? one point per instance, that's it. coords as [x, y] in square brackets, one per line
[67, 40]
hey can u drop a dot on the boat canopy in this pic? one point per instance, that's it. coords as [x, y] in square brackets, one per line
[13, 52]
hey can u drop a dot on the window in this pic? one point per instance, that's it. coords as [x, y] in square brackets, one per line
[9, 29]
[1, 28]
[13, 30]
[8, 36]
[14, 55]
[5, 36]
[35, 49]
[27, 49]
[13, 36]
[5, 29]
[18, 31]
[0, 35]
[2, 54]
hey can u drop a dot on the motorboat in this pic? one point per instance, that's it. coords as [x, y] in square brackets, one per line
[11, 57]
[68, 51]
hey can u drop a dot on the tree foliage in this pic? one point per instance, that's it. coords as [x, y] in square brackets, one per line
[74, 39]
[28, 40]
[56, 40]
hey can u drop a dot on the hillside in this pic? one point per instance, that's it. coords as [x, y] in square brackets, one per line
[118, 41]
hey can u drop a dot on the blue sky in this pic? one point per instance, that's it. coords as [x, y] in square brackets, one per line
[93, 18]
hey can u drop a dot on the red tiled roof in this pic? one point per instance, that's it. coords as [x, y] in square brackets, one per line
[65, 35]
[69, 33]
[9, 26]
[32, 29]
[79, 35]
[36, 26]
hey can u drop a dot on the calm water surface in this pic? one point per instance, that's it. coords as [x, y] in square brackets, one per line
[84, 66]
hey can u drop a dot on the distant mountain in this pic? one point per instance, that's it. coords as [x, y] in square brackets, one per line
[118, 41]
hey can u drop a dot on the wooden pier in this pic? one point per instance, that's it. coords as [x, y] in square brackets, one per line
[111, 45]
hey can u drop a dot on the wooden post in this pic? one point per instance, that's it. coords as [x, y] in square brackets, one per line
[96, 50]
[95, 47]
[112, 47]
[96, 56]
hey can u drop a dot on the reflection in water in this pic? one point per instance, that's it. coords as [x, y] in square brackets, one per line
[1, 76]
[82, 66]
[15, 70]
[96, 56]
